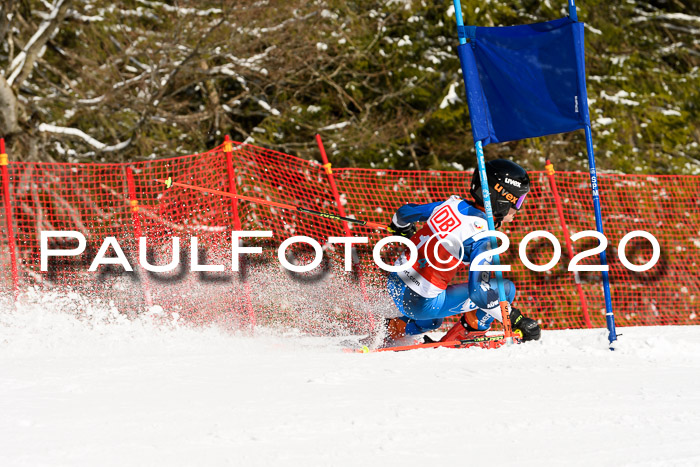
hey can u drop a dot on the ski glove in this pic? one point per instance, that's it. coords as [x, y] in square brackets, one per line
[405, 231]
[527, 326]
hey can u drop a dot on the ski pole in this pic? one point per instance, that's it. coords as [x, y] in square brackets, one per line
[169, 183]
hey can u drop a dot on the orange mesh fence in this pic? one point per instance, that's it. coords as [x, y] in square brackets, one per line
[666, 206]
[125, 202]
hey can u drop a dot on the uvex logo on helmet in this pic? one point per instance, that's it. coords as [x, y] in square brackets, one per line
[508, 185]
[505, 193]
[510, 181]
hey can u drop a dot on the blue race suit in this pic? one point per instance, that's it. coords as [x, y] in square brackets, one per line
[422, 293]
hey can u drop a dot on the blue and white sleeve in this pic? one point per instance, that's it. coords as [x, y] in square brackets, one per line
[412, 212]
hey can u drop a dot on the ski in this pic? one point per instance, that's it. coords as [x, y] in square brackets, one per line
[484, 342]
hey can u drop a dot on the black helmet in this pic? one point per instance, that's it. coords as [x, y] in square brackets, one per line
[508, 186]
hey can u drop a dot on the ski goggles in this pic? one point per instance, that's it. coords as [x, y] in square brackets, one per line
[520, 201]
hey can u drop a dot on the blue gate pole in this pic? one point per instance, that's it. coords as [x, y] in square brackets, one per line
[609, 316]
[485, 193]
[572, 10]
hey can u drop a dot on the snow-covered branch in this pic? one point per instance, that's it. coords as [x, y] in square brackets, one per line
[46, 128]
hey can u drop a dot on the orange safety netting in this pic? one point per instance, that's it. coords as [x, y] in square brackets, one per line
[124, 201]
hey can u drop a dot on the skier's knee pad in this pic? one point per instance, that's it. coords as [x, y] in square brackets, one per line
[422, 325]
[487, 299]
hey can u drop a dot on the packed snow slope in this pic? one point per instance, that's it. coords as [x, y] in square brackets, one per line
[94, 388]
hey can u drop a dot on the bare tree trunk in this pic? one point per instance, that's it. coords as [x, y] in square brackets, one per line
[31, 52]
[214, 100]
[8, 114]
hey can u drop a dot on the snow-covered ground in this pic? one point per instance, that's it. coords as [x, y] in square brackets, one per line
[103, 390]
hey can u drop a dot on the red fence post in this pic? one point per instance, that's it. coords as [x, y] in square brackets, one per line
[557, 199]
[331, 181]
[136, 223]
[341, 211]
[228, 150]
[8, 217]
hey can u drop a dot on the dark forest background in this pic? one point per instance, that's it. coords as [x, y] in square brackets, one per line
[91, 81]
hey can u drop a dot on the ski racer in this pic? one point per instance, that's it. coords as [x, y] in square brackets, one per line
[423, 293]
